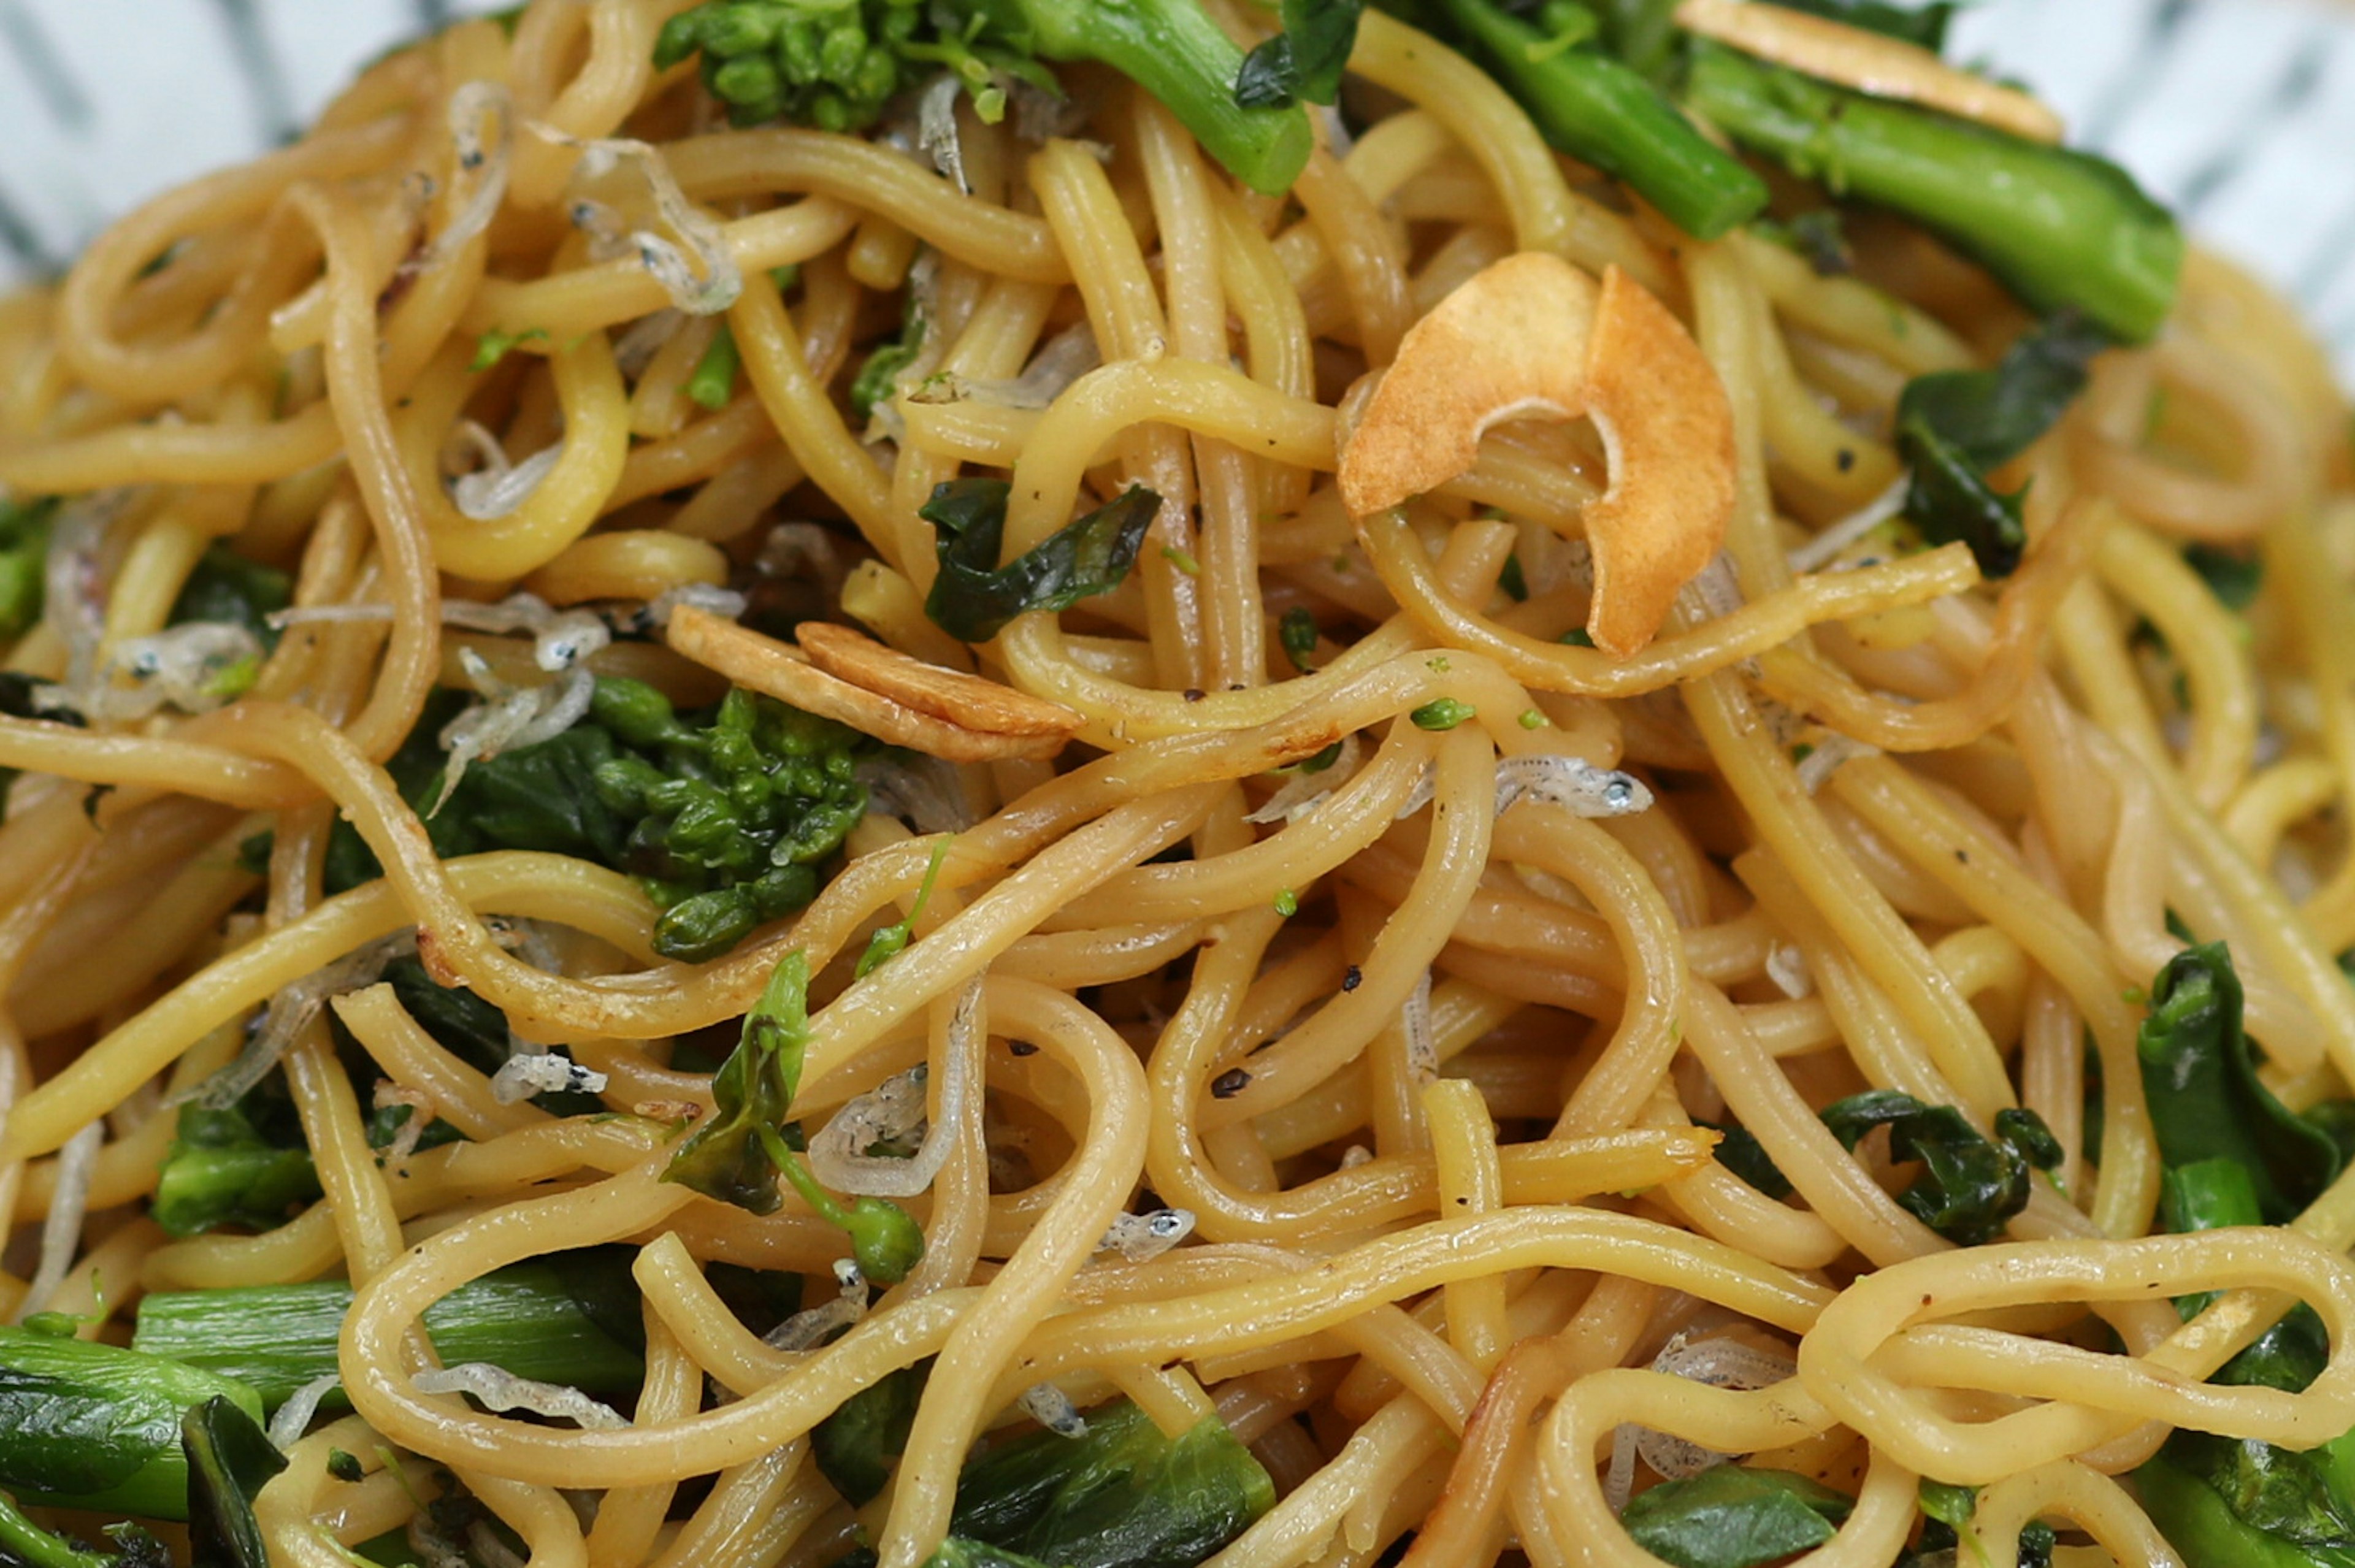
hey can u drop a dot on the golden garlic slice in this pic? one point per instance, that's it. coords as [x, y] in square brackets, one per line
[765, 664]
[1532, 335]
[1869, 62]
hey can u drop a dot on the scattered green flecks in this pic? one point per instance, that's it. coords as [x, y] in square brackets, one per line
[1442, 713]
[494, 346]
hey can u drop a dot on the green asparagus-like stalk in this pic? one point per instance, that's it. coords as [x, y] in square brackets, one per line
[1589, 104]
[568, 1322]
[94, 1426]
[2061, 229]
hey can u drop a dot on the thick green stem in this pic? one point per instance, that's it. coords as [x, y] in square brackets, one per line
[1588, 104]
[93, 1426]
[1175, 51]
[570, 1322]
[2060, 228]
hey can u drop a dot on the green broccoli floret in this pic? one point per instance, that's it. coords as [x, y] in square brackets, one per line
[835, 66]
[733, 817]
[725, 816]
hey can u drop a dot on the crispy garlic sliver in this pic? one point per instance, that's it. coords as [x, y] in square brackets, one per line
[1532, 335]
[1869, 62]
[765, 664]
[952, 694]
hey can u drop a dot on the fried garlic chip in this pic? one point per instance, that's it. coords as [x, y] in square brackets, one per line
[1534, 336]
[793, 676]
[1871, 63]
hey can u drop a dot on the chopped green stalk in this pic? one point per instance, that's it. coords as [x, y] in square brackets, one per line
[836, 66]
[572, 1318]
[713, 380]
[891, 940]
[1601, 112]
[91, 1426]
[1442, 713]
[24, 1543]
[884, 1241]
[736, 1153]
[2061, 229]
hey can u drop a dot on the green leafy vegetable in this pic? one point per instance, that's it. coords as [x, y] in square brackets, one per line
[736, 1153]
[1970, 1185]
[2206, 1100]
[1923, 24]
[1956, 427]
[958, 1553]
[2060, 228]
[2233, 576]
[835, 66]
[1598, 109]
[1946, 1512]
[1121, 1496]
[1304, 60]
[91, 1426]
[1739, 1150]
[2225, 1501]
[1730, 1515]
[23, 557]
[878, 376]
[224, 587]
[974, 597]
[229, 1459]
[713, 380]
[569, 1318]
[855, 1446]
[2277, 1515]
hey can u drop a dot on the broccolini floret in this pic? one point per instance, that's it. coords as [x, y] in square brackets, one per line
[725, 815]
[733, 817]
[835, 66]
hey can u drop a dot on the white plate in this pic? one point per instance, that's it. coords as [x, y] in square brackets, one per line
[2241, 114]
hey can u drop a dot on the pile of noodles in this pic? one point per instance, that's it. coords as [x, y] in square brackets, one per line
[1426, 1064]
